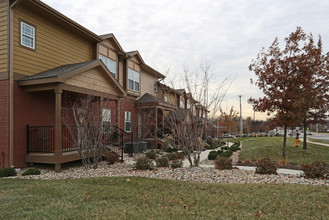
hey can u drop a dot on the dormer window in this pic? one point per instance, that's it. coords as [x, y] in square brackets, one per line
[110, 64]
[133, 80]
[27, 35]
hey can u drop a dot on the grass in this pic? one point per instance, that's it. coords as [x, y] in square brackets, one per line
[142, 198]
[254, 148]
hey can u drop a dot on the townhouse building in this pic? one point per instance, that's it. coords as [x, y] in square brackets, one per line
[47, 60]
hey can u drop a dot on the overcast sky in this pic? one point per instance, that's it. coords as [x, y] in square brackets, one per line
[226, 33]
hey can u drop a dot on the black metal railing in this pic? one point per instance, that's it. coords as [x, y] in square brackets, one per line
[41, 139]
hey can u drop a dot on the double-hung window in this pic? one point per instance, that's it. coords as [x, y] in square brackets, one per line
[106, 116]
[133, 80]
[110, 64]
[127, 121]
[27, 35]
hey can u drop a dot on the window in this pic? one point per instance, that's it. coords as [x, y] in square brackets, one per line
[128, 121]
[110, 64]
[182, 104]
[155, 86]
[106, 116]
[27, 35]
[166, 98]
[133, 80]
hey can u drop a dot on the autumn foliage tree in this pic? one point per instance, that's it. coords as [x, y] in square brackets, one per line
[294, 81]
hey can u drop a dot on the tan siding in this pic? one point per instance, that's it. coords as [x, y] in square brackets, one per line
[3, 36]
[55, 46]
[121, 73]
[172, 99]
[147, 84]
[94, 80]
[112, 55]
[131, 65]
[102, 50]
[134, 59]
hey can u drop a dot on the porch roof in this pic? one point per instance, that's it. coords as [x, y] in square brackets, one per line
[148, 100]
[85, 77]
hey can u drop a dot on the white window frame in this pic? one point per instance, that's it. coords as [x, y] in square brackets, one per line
[25, 35]
[106, 119]
[166, 98]
[133, 80]
[127, 121]
[181, 104]
[110, 64]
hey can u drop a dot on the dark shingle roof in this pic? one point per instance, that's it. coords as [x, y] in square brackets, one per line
[58, 71]
[148, 98]
[178, 114]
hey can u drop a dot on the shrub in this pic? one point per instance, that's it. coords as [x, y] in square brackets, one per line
[175, 156]
[7, 171]
[227, 153]
[224, 148]
[223, 163]
[111, 157]
[317, 169]
[171, 149]
[176, 164]
[235, 147]
[144, 163]
[162, 162]
[31, 171]
[212, 155]
[151, 154]
[266, 166]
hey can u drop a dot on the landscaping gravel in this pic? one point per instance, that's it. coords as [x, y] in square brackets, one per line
[197, 174]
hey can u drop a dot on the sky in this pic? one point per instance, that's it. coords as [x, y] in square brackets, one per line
[171, 35]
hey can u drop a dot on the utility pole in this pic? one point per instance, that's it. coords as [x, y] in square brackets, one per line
[241, 122]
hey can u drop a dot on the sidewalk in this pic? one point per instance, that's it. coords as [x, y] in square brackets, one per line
[312, 142]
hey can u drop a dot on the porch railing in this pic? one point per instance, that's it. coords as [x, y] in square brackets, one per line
[41, 139]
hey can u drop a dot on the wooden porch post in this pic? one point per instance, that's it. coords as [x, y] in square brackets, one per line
[163, 122]
[156, 127]
[58, 129]
[117, 117]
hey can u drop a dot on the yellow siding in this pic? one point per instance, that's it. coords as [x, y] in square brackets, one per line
[55, 46]
[121, 73]
[147, 84]
[172, 98]
[94, 80]
[3, 36]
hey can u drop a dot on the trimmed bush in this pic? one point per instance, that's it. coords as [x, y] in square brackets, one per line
[176, 164]
[227, 153]
[7, 171]
[317, 169]
[176, 156]
[31, 171]
[212, 155]
[162, 162]
[171, 149]
[223, 163]
[266, 166]
[224, 148]
[235, 148]
[144, 163]
[151, 154]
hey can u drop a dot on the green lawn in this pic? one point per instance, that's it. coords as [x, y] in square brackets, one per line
[254, 148]
[142, 198]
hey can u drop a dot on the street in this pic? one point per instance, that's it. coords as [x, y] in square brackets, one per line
[319, 136]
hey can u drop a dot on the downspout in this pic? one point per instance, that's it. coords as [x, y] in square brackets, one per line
[11, 80]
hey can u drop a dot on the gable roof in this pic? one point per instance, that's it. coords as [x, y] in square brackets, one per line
[62, 73]
[111, 36]
[144, 65]
[148, 98]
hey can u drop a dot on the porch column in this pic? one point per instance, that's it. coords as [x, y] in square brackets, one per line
[163, 122]
[58, 129]
[117, 117]
[156, 127]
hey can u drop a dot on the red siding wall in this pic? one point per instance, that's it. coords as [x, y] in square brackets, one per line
[34, 109]
[4, 123]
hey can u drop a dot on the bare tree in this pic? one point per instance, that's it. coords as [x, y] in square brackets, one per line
[83, 119]
[190, 123]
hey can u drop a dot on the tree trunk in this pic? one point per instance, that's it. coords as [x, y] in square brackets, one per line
[284, 142]
[305, 135]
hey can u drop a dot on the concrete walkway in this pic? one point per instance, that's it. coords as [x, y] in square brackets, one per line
[318, 143]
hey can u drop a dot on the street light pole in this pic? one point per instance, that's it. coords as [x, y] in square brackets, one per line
[241, 122]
